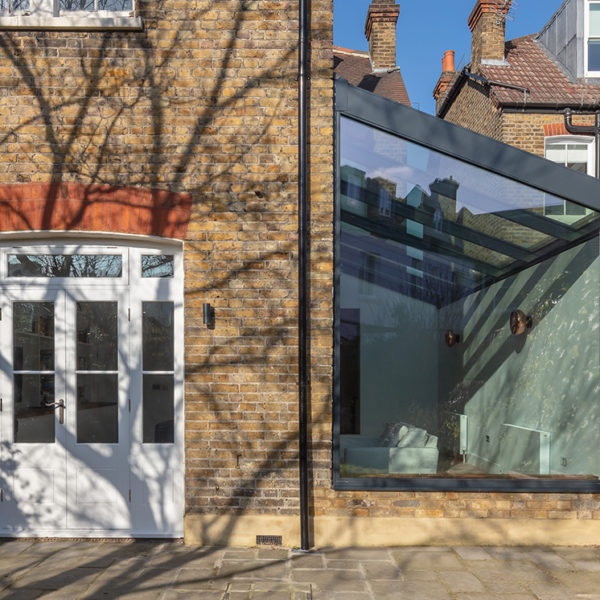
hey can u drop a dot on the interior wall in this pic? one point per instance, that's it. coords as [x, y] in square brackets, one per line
[516, 389]
[399, 356]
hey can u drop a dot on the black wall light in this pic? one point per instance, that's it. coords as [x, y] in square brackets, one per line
[208, 315]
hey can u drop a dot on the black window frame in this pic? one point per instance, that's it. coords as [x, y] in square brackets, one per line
[478, 150]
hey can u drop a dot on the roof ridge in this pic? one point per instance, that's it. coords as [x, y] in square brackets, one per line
[350, 51]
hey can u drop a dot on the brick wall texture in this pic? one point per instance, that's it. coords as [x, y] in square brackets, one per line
[189, 129]
[474, 109]
[199, 110]
[487, 41]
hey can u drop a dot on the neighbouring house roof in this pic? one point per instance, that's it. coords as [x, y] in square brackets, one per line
[530, 66]
[355, 67]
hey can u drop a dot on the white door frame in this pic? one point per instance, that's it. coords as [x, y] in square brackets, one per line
[155, 493]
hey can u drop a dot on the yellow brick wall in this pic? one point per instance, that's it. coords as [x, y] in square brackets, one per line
[526, 130]
[474, 109]
[202, 102]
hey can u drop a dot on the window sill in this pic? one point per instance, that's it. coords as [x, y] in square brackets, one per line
[75, 22]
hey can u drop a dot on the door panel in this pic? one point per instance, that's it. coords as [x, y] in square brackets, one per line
[157, 417]
[111, 462]
[97, 413]
[33, 475]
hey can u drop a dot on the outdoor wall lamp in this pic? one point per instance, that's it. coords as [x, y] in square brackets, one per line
[208, 315]
[519, 322]
[452, 338]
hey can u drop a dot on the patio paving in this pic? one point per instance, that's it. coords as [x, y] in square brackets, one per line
[159, 570]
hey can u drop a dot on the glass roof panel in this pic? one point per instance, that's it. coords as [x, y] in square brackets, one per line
[402, 192]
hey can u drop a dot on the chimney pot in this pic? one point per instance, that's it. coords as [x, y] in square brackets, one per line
[448, 61]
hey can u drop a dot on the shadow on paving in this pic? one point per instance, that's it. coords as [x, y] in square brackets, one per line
[167, 570]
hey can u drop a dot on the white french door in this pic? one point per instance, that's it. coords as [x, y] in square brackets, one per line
[65, 400]
[91, 396]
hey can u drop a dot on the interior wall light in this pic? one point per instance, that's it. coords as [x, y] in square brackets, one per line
[452, 338]
[519, 322]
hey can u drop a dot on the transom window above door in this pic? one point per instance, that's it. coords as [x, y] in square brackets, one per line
[98, 265]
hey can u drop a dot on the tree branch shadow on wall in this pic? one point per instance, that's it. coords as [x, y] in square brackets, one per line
[71, 130]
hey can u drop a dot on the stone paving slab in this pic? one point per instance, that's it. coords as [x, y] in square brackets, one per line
[159, 570]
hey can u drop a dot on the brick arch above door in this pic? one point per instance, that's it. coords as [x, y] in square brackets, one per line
[79, 207]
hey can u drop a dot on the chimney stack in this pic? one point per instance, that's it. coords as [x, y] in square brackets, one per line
[487, 23]
[380, 30]
[446, 79]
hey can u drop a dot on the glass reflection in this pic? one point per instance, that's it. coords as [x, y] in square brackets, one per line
[33, 421]
[65, 265]
[157, 336]
[33, 336]
[87, 5]
[14, 5]
[97, 409]
[430, 244]
[157, 265]
[158, 411]
[97, 331]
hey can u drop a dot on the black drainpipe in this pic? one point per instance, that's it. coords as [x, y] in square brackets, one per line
[302, 271]
[586, 130]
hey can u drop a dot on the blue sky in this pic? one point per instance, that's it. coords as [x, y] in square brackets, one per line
[426, 29]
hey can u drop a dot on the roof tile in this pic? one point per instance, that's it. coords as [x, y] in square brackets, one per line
[529, 66]
[355, 67]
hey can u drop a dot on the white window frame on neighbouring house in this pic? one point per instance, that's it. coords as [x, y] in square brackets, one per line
[565, 141]
[590, 38]
[47, 14]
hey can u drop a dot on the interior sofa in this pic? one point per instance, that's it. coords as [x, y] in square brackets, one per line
[401, 448]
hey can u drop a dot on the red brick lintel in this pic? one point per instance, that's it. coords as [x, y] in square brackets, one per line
[555, 129]
[79, 207]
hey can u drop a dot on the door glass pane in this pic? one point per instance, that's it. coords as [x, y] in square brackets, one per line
[157, 336]
[158, 409]
[97, 336]
[157, 265]
[97, 409]
[14, 5]
[33, 336]
[96, 5]
[65, 265]
[33, 421]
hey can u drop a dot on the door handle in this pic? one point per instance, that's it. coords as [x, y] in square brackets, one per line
[61, 409]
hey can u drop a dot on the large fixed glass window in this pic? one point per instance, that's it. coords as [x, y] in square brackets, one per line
[468, 321]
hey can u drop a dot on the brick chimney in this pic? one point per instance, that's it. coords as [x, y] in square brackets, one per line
[487, 22]
[380, 30]
[446, 79]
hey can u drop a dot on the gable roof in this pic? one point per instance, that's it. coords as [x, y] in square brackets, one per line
[529, 66]
[355, 67]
